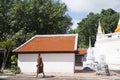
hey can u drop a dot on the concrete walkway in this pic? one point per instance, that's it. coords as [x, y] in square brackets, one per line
[78, 75]
[59, 76]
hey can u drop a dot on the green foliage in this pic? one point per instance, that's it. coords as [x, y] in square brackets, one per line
[15, 69]
[22, 19]
[109, 19]
[5, 6]
[71, 31]
[14, 59]
[7, 45]
[88, 26]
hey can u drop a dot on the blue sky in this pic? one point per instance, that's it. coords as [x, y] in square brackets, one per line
[79, 9]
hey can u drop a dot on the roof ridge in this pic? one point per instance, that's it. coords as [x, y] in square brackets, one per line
[55, 35]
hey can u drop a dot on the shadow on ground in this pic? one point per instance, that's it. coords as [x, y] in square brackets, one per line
[84, 70]
[2, 79]
[49, 76]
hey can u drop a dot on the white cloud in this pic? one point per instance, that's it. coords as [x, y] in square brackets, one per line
[91, 5]
[86, 6]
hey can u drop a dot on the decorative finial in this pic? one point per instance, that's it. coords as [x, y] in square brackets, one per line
[118, 26]
[99, 28]
[89, 42]
[119, 19]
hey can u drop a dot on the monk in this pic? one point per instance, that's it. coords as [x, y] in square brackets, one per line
[39, 66]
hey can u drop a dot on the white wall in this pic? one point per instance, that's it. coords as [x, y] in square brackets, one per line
[27, 62]
[110, 48]
[63, 63]
[58, 63]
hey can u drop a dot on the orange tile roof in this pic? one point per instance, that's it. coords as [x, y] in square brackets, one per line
[82, 51]
[47, 43]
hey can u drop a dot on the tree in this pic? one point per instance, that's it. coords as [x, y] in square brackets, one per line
[33, 17]
[7, 45]
[40, 17]
[5, 6]
[88, 26]
[21, 19]
[72, 31]
[109, 19]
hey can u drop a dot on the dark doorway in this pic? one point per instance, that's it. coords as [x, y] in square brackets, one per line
[78, 60]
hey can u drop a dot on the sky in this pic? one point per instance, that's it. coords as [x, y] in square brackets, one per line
[79, 9]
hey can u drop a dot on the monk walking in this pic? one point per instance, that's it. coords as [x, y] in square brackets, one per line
[39, 66]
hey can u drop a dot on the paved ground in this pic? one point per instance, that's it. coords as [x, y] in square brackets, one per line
[79, 75]
[59, 76]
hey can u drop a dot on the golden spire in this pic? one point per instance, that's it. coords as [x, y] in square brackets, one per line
[118, 26]
[99, 28]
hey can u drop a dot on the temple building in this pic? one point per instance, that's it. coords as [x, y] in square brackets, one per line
[57, 52]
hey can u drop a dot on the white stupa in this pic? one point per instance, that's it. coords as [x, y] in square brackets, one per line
[89, 57]
[108, 46]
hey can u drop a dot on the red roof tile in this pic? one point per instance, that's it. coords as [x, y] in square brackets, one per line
[82, 51]
[47, 43]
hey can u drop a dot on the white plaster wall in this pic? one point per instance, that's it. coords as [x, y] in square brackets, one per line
[58, 63]
[27, 62]
[111, 50]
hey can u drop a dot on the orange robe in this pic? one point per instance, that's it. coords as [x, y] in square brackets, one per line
[39, 65]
